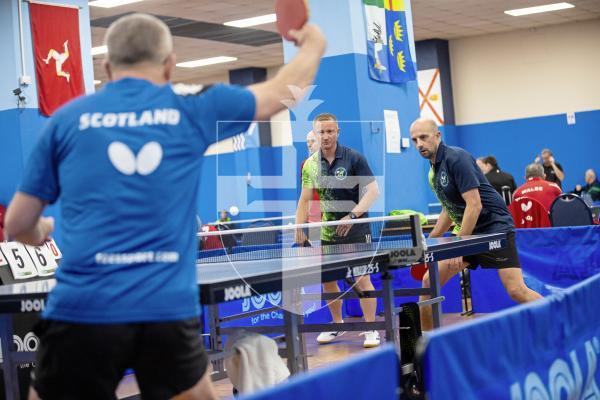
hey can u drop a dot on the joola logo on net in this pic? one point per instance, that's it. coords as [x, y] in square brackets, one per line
[403, 253]
[237, 292]
[32, 305]
[565, 378]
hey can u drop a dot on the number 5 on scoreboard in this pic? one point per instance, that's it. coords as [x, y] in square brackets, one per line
[20, 262]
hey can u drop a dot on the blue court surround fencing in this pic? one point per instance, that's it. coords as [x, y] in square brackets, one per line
[551, 258]
[543, 350]
[372, 375]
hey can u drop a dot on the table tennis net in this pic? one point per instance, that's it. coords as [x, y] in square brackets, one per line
[253, 222]
[219, 244]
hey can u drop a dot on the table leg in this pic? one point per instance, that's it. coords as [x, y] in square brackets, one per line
[11, 377]
[215, 339]
[295, 346]
[292, 342]
[391, 318]
[435, 291]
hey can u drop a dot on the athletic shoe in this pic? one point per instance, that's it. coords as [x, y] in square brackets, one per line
[328, 337]
[371, 338]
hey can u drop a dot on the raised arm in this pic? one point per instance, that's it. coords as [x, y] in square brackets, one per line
[559, 172]
[300, 72]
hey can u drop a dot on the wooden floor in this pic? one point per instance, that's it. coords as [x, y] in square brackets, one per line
[318, 356]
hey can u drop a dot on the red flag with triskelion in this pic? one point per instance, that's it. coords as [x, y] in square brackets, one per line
[57, 54]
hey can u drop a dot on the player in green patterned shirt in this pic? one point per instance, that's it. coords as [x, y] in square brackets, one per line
[340, 175]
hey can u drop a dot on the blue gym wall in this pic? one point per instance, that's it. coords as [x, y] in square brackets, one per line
[515, 143]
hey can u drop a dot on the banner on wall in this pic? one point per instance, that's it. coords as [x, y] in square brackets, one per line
[388, 44]
[57, 54]
[430, 95]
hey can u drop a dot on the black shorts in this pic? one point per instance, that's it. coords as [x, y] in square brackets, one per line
[87, 361]
[350, 239]
[507, 257]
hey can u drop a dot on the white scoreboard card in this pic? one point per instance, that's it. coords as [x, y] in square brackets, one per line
[3, 260]
[18, 258]
[44, 260]
[51, 244]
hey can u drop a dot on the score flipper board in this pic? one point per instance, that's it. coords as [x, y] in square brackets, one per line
[19, 261]
[51, 244]
[3, 260]
[43, 259]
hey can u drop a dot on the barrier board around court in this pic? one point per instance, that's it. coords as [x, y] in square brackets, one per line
[551, 258]
[548, 349]
[377, 370]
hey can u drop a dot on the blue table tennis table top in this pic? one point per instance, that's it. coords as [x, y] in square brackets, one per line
[265, 275]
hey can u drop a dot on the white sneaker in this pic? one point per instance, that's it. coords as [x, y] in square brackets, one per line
[327, 337]
[371, 338]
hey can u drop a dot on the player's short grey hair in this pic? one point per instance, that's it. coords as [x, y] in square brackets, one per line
[136, 39]
[534, 170]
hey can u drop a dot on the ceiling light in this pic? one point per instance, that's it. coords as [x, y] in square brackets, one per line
[96, 51]
[246, 22]
[97, 82]
[111, 3]
[206, 61]
[539, 9]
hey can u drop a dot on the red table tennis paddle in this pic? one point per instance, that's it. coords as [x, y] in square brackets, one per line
[418, 271]
[291, 14]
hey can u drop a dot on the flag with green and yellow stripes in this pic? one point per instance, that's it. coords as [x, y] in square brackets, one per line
[388, 46]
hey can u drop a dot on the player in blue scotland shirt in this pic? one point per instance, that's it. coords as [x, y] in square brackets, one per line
[474, 206]
[125, 164]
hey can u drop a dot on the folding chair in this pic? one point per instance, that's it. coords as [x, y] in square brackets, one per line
[570, 210]
[507, 194]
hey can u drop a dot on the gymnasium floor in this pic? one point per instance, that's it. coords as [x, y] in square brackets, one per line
[319, 356]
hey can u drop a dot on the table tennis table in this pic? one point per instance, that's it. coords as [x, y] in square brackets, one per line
[220, 282]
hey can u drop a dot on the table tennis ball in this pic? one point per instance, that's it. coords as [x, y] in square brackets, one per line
[233, 210]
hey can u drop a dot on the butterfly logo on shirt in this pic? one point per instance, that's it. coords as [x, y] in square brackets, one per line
[146, 162]
[526, 206]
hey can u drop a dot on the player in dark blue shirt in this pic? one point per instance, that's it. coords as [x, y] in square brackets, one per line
[474, 206]
[125, 163]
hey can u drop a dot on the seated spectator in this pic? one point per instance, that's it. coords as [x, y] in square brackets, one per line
[553, 171]
[496, 177]
[224, 217]
[592, 186]
[537, 188]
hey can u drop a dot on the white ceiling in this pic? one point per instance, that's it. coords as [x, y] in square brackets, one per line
[441, 19]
